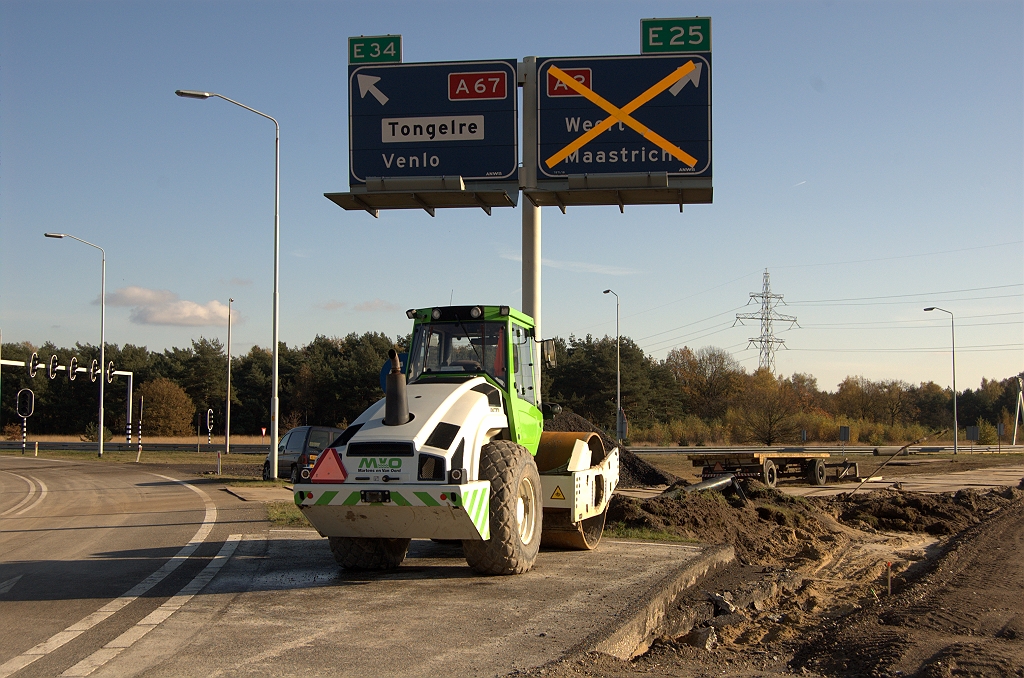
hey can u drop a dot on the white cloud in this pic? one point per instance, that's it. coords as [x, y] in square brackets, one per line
[576, 266]
[376, 305]
[332, 305]
[163, 307]
[140, 296]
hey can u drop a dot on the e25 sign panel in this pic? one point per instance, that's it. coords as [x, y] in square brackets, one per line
[622, 114]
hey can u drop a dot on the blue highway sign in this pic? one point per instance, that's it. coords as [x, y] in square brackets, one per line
[624, 114]
[433, 119]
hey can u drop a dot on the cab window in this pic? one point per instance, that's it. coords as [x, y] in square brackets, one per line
[522, 362]
[459, 348]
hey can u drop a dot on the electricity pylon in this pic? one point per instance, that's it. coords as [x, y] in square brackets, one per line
[767, 342]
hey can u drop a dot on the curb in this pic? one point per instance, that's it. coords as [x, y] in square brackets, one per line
[632, 631]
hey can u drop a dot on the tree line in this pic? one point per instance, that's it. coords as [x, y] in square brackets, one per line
[690, 397]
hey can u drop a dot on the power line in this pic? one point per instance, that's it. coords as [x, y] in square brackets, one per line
[695, 322]
[850, 326]
[921, 349]
[916, 294]
[906, 256]
[891, 303]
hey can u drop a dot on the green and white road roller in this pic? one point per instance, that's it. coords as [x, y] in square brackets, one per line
[456, 450]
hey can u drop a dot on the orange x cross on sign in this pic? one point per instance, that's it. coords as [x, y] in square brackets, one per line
[622, 115]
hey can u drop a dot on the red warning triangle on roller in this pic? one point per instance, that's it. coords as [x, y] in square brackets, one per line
[328, 468]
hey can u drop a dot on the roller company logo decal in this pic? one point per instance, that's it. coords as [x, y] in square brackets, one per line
[380, 463]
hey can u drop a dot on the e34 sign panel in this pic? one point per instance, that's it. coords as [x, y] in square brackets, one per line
[624, 114]
[433, 119]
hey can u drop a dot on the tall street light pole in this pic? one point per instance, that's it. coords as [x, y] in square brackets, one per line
[274, 405]
[103, 314]
[618, 374]
[952, 333]
[227, 405]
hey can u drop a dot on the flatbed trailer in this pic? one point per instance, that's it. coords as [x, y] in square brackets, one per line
[770, 465]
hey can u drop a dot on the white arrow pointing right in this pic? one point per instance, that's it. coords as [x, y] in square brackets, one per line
[368, 83]
[693, 76]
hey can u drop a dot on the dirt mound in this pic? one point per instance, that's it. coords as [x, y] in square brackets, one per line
[962, 618]
[936, 514]
[770, 528]
[633, 471]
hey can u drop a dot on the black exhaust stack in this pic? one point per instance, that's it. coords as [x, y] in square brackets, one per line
[396, 402]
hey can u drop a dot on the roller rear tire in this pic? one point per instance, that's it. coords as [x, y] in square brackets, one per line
[360, 553]
[516, 511]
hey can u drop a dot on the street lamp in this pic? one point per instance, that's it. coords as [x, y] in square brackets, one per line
[103, 313]
[952, 332]
[227, 406]
[618, 374]
[192, 94]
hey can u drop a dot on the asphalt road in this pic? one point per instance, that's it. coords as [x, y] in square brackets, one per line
[109, 570]
[87, 551]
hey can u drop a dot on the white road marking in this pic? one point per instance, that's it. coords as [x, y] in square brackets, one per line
[70, 633]
[157, 616]
[28, 497]
[9, 584]
[43, 491]
[651, 543]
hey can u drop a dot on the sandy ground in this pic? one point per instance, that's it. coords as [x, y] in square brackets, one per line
[680, 465]
[810, 593]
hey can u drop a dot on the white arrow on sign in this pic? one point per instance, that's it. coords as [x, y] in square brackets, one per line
[693, 76]
[9, 584]
[368, 83]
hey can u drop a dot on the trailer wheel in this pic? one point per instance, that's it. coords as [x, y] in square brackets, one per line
[515, 511]
[769, 474]
[362, 553]
[816, 472]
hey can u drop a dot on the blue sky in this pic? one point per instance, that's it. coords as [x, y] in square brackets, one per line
[870, 155]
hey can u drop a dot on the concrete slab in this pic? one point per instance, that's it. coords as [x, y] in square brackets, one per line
[978, 479]
[282, 607]
[264, 494]
[641, 492]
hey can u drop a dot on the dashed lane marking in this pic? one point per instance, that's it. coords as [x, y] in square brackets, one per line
[157, 616]
[117, 604]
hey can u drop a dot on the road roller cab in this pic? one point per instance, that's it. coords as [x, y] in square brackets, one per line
[456, 451]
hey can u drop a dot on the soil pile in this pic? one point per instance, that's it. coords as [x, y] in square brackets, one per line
[770, 528]
[965, 617]
[936, 514]
[633, 471]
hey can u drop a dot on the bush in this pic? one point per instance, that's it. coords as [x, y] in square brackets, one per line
[168, 409]
[987, 434]
[90, 434]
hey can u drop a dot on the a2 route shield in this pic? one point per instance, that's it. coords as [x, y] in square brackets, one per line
[661, 107]
[433, 119]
